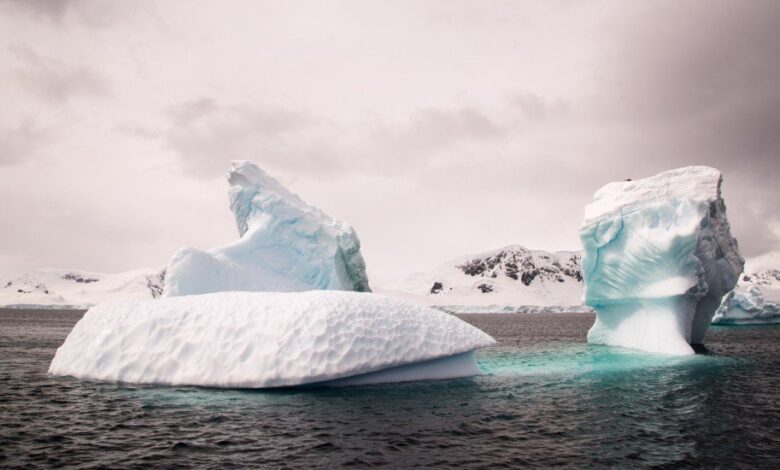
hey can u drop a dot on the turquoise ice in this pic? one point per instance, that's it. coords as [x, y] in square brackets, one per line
[286, 245]
[659, 257]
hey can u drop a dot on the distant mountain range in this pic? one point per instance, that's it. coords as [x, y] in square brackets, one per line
[763, 271]
[507, 277]
[76, 288]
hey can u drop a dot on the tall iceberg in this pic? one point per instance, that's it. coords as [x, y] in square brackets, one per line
[286, 245]
[659, 257]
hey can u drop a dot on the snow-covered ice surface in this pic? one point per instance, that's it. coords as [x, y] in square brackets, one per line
[659, 257]
[756, 299]
[265, 339]
[63, 288]
[286, 245]
[458, 309]
[509, 278]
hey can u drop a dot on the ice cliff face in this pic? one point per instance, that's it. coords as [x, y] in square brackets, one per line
[659, 257]
[285, 245]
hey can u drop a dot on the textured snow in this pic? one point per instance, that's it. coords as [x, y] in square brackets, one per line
[264, 339]
[513, 276]
[72, 288]
[659, 257]
[286, 245]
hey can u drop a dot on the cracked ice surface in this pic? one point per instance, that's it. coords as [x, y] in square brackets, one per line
[658, 259]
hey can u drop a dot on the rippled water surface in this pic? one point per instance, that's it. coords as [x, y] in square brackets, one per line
[546, 398]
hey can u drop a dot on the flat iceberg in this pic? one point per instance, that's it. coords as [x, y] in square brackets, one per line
[286, 245]
[756, 299]
[659, 257]
[268, 339]
[747, 307]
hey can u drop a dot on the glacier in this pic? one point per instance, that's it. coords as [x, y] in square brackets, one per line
[658, 259]
[285, 245]
[267, 340]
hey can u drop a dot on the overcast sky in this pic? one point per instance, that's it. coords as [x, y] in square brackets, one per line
[434, 128]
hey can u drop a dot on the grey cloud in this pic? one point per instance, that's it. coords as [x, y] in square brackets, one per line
[429, 132]
[22, 142]
[92, 13]
[50, 9]
[698, 80]
[450, 138]
[696, 83]
[537, 107]
[438, 148]
[137, 130]
[753, 233]
[652, 86]
[54, 79]
[430, 126]
[206, 134]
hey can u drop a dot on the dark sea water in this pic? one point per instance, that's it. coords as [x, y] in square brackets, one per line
[546, 399]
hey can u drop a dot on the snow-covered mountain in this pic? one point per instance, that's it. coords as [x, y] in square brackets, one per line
[763, 271]
[71, 287]
[512, 276]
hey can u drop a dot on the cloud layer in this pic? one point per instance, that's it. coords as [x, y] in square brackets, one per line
[435, 128]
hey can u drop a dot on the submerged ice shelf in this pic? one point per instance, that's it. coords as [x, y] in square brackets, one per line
[659, 257]
[264, 339]
[286, 245]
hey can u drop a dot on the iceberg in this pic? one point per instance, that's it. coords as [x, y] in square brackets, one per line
[659, 257]
[756, 299]
[268, 339]
[747, 307]
[285, 245]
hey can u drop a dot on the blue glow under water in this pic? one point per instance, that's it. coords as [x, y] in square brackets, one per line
[546, 398]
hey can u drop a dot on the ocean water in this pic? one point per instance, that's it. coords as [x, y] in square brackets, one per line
[546, 398]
